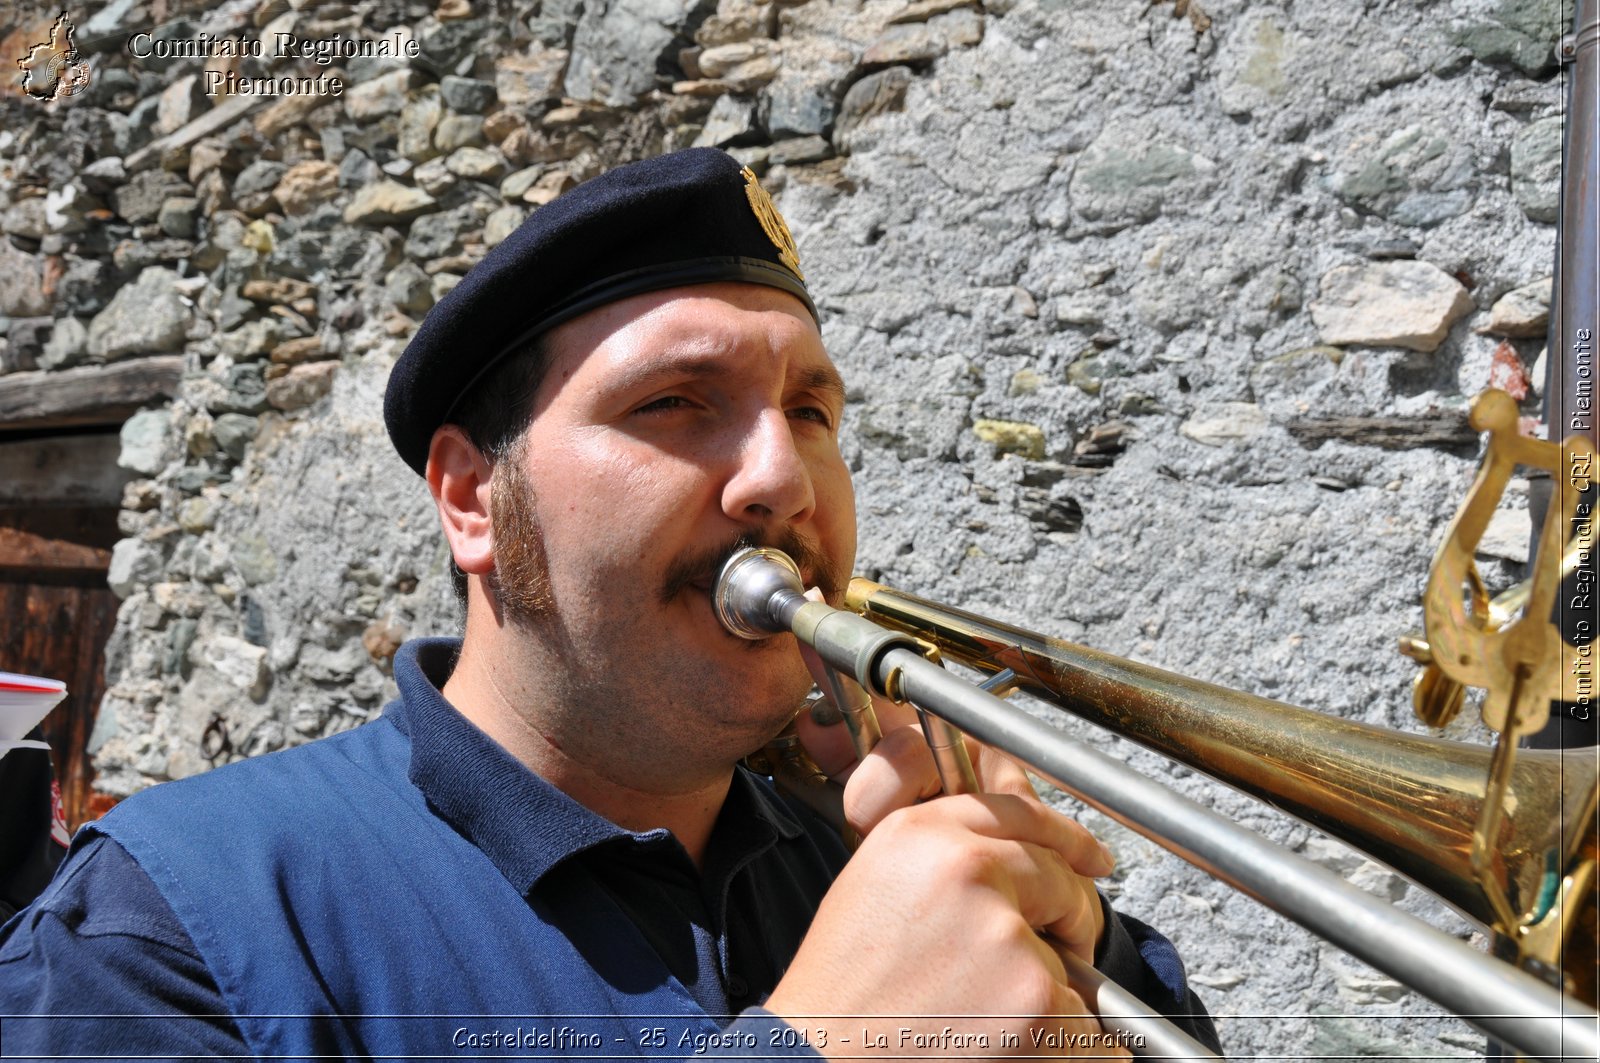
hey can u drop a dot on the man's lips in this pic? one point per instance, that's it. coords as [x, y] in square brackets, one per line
[698, 572]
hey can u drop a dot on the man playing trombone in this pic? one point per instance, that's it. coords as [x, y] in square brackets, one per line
[547, 843]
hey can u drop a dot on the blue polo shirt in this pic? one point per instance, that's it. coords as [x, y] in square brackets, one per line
[105, 941]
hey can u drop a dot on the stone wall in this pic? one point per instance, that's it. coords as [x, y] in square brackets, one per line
[1159, 320]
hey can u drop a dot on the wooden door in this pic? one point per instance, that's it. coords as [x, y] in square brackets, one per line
[60, 632]
[56, 613]
[59, 495]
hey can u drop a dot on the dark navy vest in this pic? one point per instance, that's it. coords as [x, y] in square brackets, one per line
[342, 918]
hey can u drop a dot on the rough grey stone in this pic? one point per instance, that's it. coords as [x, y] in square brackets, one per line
[556, 21]
[1389, 304]
[513, 186]
[146, 442]
[1538, 98]
[522, 81]
[26, 219]
[1218, 424]
[1418, 177]
[502, 223]
[134, 563]
[103, 175]
[434, 178]
[800, 150]
[343, 252]
[86, 287]
[459, 131]
[874, 94]
[387, 202]
[1497, 44]
[139, 200]
[1536, 169]
[1521, 33]
[385, 94]
[1521, 312]
[912, 429]
[794, 108]
[436, 235]
[1129, 170]
[253, 339]
[22, 291]
[301, 386]
[466, 95]
[133, 256]
[25, 342]
[234, 433]
[177, 217]
[409, 288]
[252, 189]
[731, 119]
[616, 46]
[476, 164]
[357, 170]
[68, 344]
[197, 514]
[418, 121]
[244, 390]
[239, 663]
[454, 44]
[148, 316]
[180, 636]
[255, 559]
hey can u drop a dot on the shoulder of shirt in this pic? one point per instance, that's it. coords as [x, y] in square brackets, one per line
[282, 775]
[100, 891]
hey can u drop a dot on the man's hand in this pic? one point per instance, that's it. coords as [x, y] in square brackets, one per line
[900, 772]
[936, 920]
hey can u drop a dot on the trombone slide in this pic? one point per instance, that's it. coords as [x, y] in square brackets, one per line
[1531, 1016]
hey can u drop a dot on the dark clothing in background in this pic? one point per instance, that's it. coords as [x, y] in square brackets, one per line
[32, 837]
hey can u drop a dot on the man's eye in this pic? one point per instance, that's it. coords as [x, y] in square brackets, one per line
[813, 413]
[666, 402]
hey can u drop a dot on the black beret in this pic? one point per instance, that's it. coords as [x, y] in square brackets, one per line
[691, 217]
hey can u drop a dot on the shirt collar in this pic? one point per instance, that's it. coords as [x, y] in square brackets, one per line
[522, 823]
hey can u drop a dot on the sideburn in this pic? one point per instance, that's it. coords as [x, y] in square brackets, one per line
[520, 581]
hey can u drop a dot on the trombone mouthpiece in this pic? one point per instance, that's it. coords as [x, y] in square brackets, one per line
[757, 591]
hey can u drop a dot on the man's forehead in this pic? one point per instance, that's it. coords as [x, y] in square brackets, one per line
[699, 331]
[682, 309]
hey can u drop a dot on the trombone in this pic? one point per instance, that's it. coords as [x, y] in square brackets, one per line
[1508, 837]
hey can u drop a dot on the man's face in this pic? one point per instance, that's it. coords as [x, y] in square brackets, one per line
[669, 427]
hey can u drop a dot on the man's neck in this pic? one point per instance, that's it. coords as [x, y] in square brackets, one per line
[636, 788]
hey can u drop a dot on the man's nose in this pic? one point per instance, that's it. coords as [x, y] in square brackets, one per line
[770, 481]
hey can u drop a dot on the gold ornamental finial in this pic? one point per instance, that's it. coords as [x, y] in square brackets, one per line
[772, 222]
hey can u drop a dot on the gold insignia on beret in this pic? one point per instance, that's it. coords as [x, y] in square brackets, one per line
[772, 222]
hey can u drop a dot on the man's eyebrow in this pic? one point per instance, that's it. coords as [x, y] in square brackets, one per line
[824, 378]
[707, 363]
[680, 363]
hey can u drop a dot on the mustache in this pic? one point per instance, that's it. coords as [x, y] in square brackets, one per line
[702, 566]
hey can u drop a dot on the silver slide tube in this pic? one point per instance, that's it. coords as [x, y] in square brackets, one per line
[1534, 1018]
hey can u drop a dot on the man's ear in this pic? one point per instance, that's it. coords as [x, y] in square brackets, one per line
[458, 476]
